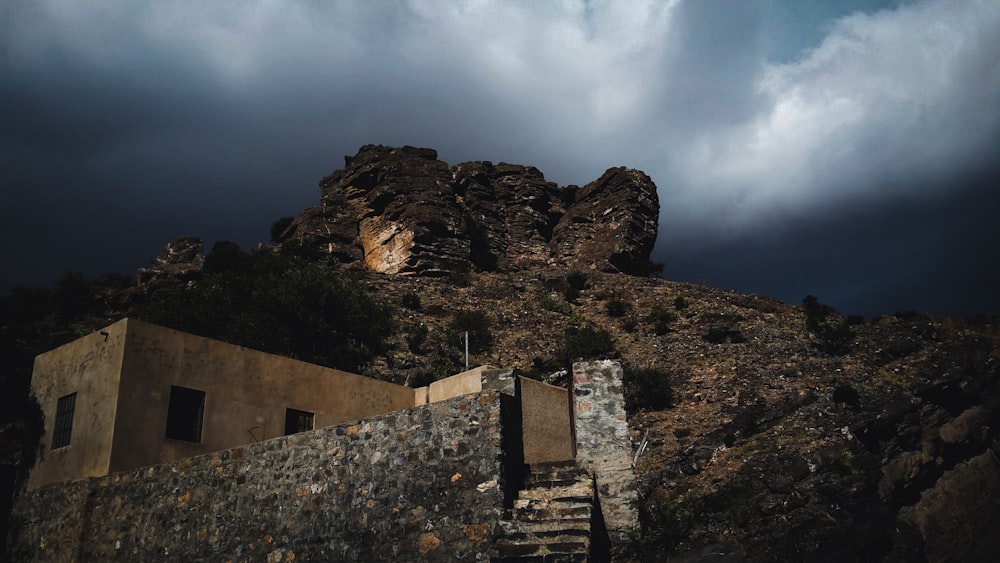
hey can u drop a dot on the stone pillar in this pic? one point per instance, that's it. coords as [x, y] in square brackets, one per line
[603, 445]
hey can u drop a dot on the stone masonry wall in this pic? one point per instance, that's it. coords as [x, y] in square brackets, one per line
[421, 484]
[603, 444]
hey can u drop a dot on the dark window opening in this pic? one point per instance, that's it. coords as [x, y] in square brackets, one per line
[65, 409]
[185, 414]
[297, 421]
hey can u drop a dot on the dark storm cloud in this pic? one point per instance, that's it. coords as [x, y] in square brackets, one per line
[798, 149]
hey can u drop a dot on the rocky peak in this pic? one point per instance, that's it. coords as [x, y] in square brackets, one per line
[401, 210]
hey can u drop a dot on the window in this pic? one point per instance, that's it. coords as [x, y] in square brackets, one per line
[185, 413]
[64, 421]
[297, 421]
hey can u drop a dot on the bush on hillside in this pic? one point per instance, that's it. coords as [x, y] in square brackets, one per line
[478, 327]
[647, 388]
[549, 304]
[586, 343]
[832, 329]
[575, 283]
[616, 308]
[411, 300]
[660, 320]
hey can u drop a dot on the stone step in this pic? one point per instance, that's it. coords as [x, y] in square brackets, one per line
[562, 552]
[547, 474]
[577, 492]
[550, 521]
[509, 528]
[535, 512]
[561, 543]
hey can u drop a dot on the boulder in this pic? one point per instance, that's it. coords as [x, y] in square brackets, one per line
[611, 224]
[957, 518]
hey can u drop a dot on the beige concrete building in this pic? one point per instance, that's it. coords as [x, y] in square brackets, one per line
[136, 394]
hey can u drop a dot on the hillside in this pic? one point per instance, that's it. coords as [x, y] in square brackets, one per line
[770, 442]
[765, 431]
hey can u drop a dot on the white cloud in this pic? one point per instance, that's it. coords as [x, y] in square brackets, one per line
[595, 61]
[885, 103]
[679, 88]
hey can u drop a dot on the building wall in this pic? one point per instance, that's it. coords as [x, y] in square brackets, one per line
[548, 431]
[423, 484]
[246, 394]
[88, 367]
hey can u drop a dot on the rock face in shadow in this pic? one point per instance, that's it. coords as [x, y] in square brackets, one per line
[403, 211]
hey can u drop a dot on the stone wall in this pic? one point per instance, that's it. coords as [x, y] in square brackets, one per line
[602, 442]
[421, 484]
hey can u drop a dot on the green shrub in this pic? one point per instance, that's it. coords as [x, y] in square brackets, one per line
[660, 320]
[747, 420]
[279, 304]
[411, 300]
[846, 394]
[550, 304]
[575, 282]
[647, 388]
[680, 303]
[586, 344]
[616, 308]
[416, 335]
[478, 327]
[226, 257]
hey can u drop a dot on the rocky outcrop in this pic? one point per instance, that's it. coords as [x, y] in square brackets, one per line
[401, 210]
[180, 261]
[607, 226]
[510, 213]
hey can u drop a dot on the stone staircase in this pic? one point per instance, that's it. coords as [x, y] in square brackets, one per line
[551, 518]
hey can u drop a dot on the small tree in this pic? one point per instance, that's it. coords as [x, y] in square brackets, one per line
[478, 327]
[616, 308]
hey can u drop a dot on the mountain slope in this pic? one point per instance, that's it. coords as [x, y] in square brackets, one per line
[881, 452]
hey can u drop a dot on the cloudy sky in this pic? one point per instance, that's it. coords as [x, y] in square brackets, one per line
[846, 149]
